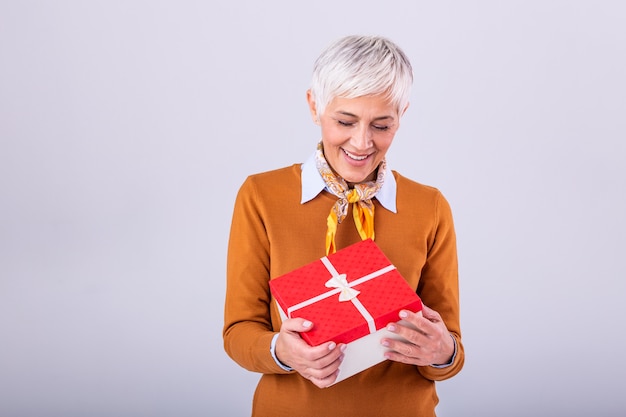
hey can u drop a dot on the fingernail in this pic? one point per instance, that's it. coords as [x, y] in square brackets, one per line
[332, 346]
[404, 314]
[385, 343]
[343, 348]
[306, 324]
[391, 327]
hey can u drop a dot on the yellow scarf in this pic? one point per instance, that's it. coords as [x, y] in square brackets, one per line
[360, 196]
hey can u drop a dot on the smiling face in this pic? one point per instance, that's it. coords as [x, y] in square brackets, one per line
[356, 134]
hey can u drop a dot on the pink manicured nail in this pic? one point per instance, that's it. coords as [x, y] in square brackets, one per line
[391, 327]
[404, 314]
[332, 346]
[306, 324]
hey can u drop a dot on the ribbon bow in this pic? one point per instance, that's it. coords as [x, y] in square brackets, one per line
[340, 281]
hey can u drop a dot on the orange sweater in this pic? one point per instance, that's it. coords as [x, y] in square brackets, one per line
[272, 234]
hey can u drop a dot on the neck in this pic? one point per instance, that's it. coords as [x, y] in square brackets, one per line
[370, 177]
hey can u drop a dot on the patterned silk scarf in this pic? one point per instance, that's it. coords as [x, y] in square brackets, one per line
[360, 196]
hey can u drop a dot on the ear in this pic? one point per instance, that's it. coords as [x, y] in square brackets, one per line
[312, 107]
[405, 108]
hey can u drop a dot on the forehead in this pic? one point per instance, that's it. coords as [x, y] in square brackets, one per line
[372, 104]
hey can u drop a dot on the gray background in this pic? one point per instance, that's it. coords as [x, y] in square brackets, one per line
[126, 128]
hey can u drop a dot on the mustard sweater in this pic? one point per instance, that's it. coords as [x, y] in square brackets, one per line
[272, 234]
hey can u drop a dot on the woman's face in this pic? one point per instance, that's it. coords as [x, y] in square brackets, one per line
[356, 133]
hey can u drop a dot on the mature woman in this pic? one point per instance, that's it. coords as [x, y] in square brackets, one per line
[286, 218]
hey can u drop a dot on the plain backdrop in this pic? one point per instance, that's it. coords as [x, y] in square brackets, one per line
[126, 128]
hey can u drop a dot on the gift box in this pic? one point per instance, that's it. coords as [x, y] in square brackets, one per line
[350, 296]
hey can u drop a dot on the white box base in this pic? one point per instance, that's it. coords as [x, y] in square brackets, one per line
[362, 353]
[365, 352]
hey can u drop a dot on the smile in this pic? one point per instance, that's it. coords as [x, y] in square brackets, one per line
[353, 156]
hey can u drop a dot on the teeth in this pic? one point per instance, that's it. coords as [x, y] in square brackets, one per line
[356, 158]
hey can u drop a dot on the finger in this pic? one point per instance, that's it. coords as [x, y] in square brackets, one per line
[399, 357]
[400, 350]
[323, 375]
[430, 314]
[415, 322]
[324, 355]
[318, 357]
[411, 332]
[407, 352]
[297, 325]
[404, 348]
[325, 381]
[410, 316]
[323, 370]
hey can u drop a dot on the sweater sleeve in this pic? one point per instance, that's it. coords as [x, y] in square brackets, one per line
[439, 286]
[248, 330]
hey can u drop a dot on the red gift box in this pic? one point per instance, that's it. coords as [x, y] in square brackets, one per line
[348, 295]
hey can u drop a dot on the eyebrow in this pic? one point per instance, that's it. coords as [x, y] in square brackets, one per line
[345, 113]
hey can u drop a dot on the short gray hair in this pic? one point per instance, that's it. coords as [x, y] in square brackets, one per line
[356, 66]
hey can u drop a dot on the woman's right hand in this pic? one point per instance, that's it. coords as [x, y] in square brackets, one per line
[319, 364]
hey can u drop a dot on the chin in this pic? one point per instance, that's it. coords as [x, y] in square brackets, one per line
[355, 179]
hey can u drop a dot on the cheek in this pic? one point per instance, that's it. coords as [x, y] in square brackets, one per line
[384, 142]
[332, 136]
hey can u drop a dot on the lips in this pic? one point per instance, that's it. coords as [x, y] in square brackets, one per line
[353, 156]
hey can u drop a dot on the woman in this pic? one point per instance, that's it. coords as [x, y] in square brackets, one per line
[286, 218]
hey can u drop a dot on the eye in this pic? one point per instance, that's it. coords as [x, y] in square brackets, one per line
[343, 123]
[381, 128]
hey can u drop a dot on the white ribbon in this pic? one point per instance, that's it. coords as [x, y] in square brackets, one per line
[341, 286]
[340, 281]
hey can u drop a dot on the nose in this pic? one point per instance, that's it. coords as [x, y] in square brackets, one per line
[362, 138]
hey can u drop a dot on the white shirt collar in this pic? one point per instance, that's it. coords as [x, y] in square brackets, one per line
[313, 184]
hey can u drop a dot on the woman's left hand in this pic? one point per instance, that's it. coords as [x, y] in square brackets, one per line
[428, 343]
